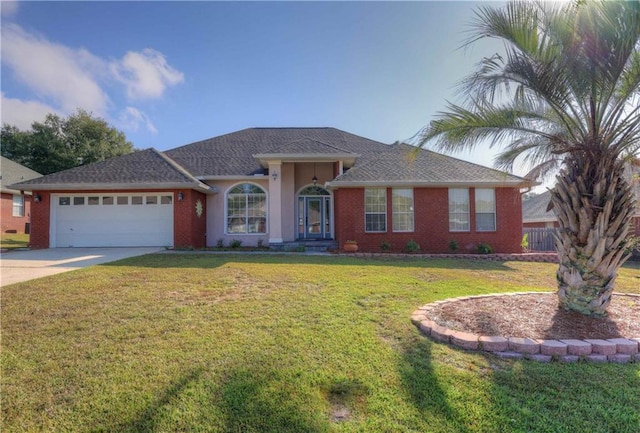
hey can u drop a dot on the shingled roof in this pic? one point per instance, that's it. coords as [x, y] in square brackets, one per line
[247, 152]
[11, 172]
[233, 154]
[534, 209]
[404, 164]
[143, 169]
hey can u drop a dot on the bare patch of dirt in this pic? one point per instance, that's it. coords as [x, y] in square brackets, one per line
[538, 316]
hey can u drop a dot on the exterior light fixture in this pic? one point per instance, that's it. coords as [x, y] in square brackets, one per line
[274, 175]
[180, 196]
[37, 198]
[314, 179]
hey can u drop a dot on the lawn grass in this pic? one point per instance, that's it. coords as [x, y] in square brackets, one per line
[264, 343]
[13, 240]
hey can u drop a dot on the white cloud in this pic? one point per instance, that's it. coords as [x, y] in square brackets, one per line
[54, 72]
[8, 8]
[23, 113]
[131, 118]
[146, 74]
[63, 79]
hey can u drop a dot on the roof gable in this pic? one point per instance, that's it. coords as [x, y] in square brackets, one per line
[233, 154]
[402, 163]
[11, 172]
[141, 169]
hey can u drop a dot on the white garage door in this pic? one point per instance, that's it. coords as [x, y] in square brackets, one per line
[112, 220]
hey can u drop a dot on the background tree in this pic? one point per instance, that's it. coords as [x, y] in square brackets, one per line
[61, 143]
[565, 95]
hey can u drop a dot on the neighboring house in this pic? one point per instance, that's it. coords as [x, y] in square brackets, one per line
[535, 214]
[16, 203]
[279, 185]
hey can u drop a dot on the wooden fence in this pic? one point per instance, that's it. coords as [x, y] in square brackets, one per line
[540, 239]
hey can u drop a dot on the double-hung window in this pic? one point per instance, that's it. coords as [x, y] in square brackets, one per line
[402, 202]
[485, 210]
[246, 209]
[375, 210]
[459, 210]
[18, 205]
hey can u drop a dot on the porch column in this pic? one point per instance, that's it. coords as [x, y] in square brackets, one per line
[275, 203]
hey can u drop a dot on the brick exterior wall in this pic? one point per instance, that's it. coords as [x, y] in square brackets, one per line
[40, 218]
[431, 222]
[10, 223]
[189, 230]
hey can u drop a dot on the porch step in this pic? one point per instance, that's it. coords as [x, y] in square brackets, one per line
[306, 246]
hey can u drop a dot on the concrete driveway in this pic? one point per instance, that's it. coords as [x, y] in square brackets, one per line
[18, 266]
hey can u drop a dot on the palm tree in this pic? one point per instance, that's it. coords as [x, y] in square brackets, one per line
[565, 96]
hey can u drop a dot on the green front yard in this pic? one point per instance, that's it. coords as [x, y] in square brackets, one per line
[13, 240]
[233, 343]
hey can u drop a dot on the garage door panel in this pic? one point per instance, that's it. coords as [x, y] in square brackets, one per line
[114, 225]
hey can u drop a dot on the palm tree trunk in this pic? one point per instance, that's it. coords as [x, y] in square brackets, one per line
[594, 206]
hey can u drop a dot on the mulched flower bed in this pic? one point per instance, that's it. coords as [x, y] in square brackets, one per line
[537, 316]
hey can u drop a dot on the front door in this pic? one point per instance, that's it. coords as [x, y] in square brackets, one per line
[314, 217]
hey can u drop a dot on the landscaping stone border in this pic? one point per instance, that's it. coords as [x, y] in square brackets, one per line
[618, 350]
[549, 257]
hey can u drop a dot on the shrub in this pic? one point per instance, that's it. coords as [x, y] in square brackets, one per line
[453, 246]
[412, 247]
[236, 243]
[525, 242]
[220, 243]
[484, 248]
[385, 246]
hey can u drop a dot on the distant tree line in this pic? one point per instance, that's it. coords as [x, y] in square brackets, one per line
[60, 143]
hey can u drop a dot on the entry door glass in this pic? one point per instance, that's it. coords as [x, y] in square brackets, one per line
[315, 223]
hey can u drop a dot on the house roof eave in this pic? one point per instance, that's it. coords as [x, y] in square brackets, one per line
[199, 186]
[424, 184]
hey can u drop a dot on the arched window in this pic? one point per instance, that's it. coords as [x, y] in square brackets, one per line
[314, 190]
[246, 209]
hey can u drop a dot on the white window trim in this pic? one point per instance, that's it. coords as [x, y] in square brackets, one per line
[386, 223]
[226, 211]
[412, 212]
[495, 223]
[19, 207]
[465, 230]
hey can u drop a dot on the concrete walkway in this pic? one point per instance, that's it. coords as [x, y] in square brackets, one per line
[25, 265]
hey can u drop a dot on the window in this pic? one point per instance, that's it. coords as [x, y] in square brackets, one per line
[166, 199]
[123, 200]
[402, 202]
[459, 210]
[93, 201]
[107, 200]
[152, 199]
[485, 210]
[246, 209]
[18, 205]
[64, 201]
[78, 201]
[136, 199]
[375, 210]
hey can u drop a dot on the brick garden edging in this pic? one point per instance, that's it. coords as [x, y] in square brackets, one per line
[619, 350]
[550, 257]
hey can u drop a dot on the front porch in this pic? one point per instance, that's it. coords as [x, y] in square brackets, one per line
[310, 245]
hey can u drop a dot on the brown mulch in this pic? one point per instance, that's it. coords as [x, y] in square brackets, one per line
[537, 316]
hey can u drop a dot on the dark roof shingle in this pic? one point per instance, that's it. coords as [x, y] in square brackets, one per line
[143, 168]
[11, 172]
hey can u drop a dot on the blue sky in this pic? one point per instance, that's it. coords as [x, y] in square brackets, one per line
[171, 73]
